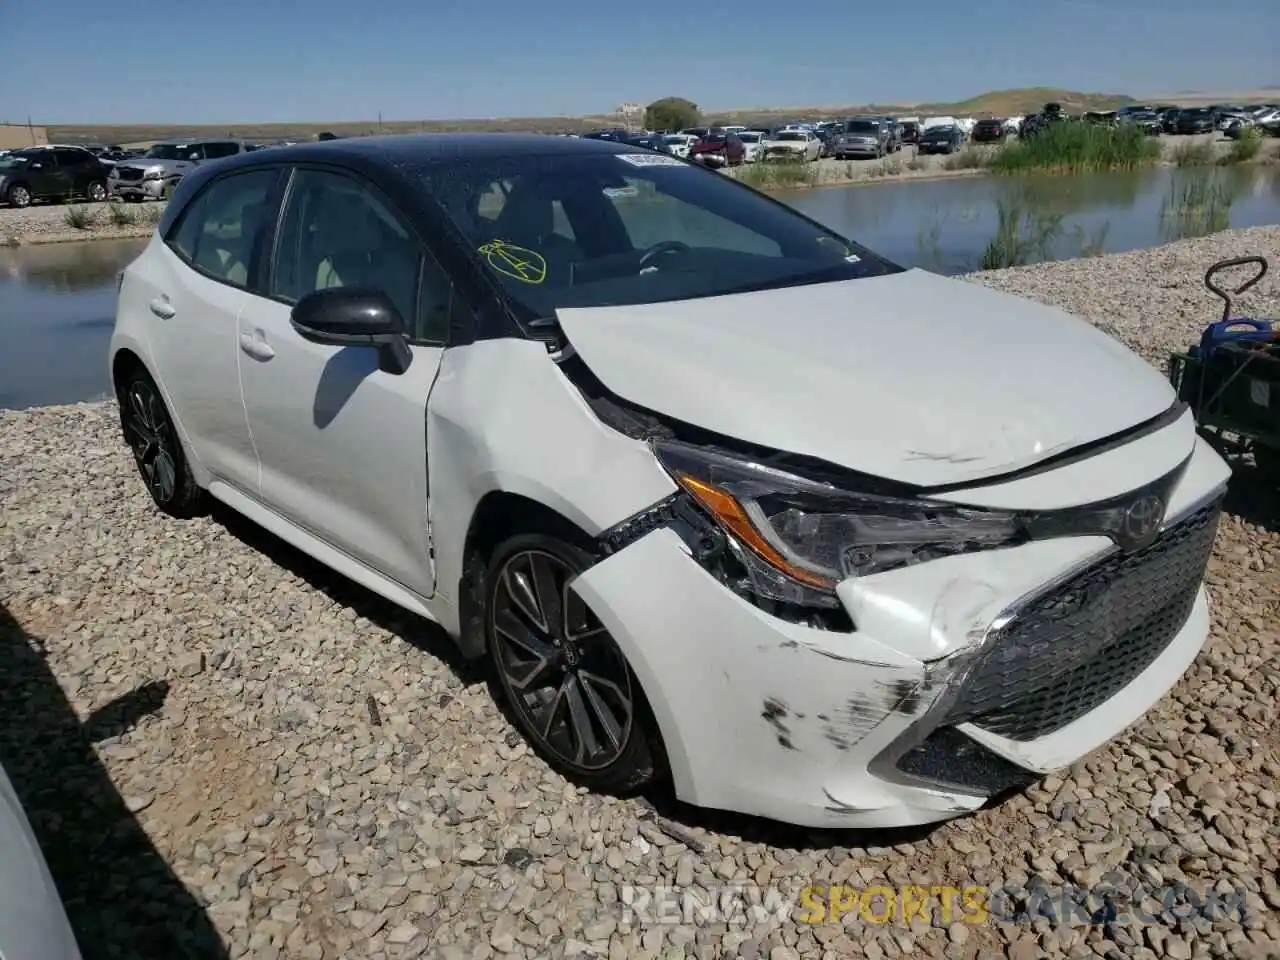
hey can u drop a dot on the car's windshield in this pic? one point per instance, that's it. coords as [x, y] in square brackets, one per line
[790, 135]
[170, 151]
[748, 136]
[860, 126]
[573, 230]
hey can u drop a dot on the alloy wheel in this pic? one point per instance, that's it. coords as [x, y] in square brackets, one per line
[97, 192]
[19, 197]
[149, 433]
[562, 671]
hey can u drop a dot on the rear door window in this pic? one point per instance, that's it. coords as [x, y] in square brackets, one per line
[222, 228]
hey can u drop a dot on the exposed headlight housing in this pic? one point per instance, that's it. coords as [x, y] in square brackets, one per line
[800, 537]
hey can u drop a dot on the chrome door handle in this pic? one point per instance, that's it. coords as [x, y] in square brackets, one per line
[256, 347]
[162, 308]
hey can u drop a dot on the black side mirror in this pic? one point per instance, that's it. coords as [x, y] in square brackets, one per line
[355, 317]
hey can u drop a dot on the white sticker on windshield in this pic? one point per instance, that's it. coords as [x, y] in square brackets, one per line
[853, 258]
[614, 193]
[651, 160]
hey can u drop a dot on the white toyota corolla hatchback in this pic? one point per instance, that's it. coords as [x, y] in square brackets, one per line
[722, 496]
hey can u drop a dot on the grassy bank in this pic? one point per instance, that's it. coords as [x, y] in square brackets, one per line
[1077, 148]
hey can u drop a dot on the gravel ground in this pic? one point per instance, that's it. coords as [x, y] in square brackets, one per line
[47, 222]
[227, 750]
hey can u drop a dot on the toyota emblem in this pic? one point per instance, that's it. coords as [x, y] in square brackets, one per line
[1142, 519]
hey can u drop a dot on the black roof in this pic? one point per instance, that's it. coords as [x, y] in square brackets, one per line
[393, 158]
[427, 147]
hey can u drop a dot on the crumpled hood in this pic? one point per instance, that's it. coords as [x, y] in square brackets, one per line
[912, 376]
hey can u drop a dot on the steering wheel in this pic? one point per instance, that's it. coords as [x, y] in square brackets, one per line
[661, 247]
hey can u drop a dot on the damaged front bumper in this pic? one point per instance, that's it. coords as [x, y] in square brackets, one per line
[962, 678]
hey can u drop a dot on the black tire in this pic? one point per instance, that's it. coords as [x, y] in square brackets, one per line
[157, 449]
[18, 196]
[546, 670]
[96, 191]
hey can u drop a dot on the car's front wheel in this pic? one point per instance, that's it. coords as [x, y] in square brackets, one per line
[18, 196]
[96, 191]
[568, 683]
[151, 435]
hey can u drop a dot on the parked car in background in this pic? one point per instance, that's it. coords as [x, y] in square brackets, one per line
[910, 131]
[941, 140]
[648, 142]
[1147, 121]
[826, 141]
[718, 149]
[1101, 118]
[613, 133]
[51, 173]
[1228, 113]
[1030, 124]
[990, 130]
[893, 134]
[1196, 120]
[724, 578]
[155, 174]
[752, 144]
[799, 145]
[680, 143]
[1169, 119]
[861, 137]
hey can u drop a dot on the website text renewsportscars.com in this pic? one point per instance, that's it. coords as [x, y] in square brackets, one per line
[930, 903]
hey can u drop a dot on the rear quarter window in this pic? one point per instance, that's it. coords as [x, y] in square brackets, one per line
[217, 233]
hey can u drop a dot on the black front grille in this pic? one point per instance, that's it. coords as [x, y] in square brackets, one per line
[1077, 645]
[128, 173]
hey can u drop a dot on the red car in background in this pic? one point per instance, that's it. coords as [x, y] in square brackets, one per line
[718, 149]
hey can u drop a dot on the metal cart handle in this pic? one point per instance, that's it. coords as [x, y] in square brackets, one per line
[1227, 264]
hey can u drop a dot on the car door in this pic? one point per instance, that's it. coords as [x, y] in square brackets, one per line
[191, 292]
[77, 168]
[342, 443]
[46, 179]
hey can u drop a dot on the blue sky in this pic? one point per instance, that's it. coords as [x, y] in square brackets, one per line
[85, 61]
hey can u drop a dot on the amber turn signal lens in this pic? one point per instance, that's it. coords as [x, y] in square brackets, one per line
[730, 513]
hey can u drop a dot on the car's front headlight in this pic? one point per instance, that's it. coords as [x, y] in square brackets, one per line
[799, 538]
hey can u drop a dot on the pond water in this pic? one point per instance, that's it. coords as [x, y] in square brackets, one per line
[948, 225]
[57, 307]
[57, 301]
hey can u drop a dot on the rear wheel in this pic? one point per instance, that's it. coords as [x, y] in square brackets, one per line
[18, 196]
[150, 433]
[569, 686]
[96, 191]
